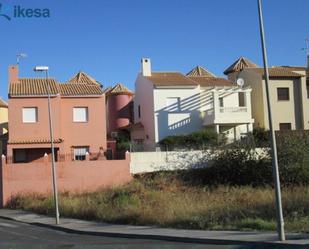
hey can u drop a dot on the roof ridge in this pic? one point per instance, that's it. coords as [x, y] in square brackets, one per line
[119, 88]
[200, 71]
[83, 78]
[238, 65]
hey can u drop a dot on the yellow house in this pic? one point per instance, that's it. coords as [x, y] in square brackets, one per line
[288, 93]
[3, 124]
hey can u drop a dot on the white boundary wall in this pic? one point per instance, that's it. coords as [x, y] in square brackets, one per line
[146, 162]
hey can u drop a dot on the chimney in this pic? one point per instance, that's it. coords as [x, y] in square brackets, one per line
[13, 73]
[146, 67]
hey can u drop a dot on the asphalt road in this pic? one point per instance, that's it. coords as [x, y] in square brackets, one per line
[15, 235]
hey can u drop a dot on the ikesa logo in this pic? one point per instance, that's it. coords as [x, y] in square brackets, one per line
[17, 11]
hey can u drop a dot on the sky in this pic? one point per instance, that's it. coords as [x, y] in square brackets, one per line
[107, 38]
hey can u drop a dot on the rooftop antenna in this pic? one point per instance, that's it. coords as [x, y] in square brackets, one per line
[20, 56]
[306, 49]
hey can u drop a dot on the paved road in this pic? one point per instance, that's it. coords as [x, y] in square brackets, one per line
[15, 235]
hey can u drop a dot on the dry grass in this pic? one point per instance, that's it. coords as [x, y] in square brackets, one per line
[168, 202]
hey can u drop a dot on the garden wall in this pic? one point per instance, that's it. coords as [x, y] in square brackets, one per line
[75, 176]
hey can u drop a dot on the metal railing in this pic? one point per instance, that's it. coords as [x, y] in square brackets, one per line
[233, 109]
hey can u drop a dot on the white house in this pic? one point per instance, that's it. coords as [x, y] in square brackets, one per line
[170, 103]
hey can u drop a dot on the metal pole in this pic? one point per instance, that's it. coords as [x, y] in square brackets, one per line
[280, 221]
[53, 152]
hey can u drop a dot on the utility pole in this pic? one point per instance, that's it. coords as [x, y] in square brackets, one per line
[55, 189]
[280, 221]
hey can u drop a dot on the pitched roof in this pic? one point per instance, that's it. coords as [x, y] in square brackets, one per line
[80, 85]
[39, 87]
[277, 72]
[73, 89]
[119, 89]
[33, 86]
[212, 81]
[170, 79]
[239, 65]
[83, 78]
[200, 71]
[3, 103]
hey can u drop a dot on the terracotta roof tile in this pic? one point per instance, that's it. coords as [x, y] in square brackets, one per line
[200, 71]
[38, 87]
[119, 89]
[170, 79]
[35, 141]
[212, 81]
[292, 68]
[239, 65]
[83, 78]
[33, 86]
[277, 72]
[73, 89]
[3, 103]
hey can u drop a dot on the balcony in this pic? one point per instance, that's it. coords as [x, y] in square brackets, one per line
[226, 109]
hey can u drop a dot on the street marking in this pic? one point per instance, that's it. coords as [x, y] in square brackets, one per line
[2, 224]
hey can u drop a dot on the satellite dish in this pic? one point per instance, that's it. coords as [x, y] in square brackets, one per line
[240, 82]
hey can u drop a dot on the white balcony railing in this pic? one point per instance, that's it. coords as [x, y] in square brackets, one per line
[233, 109]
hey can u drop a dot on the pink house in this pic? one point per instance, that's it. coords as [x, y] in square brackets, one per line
[78, 113]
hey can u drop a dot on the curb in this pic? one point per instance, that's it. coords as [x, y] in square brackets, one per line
[156, 237]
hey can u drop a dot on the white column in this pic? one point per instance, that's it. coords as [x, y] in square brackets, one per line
[217, 127]
[248, 101]
[235, 134]
[215, 96]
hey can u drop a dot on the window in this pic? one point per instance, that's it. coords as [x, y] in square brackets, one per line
[173, 104]
[80, 153]
[139, 111]
[19, 155]
[80, 114]
[221, 102]
[285, 126]
[241, 99]
[30, 115]
[283, 93]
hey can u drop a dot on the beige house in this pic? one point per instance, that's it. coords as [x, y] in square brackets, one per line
[288, 93]
[3, 125]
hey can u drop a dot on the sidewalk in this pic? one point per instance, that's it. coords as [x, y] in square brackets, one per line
[146, 232]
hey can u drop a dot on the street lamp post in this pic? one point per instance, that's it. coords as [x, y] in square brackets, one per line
[51, 134]
[280, 221]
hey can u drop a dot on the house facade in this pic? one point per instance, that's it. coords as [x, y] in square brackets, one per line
[78, 115]
[3, 125]
[170, 103]
[288, 94]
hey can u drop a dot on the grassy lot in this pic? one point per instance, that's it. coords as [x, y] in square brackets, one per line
[166, 200]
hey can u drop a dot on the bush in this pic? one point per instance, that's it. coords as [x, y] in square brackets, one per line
[123, 141]
[243, 165]
[197, 140]
[293, 157]
[235, 167]
[261, 137]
